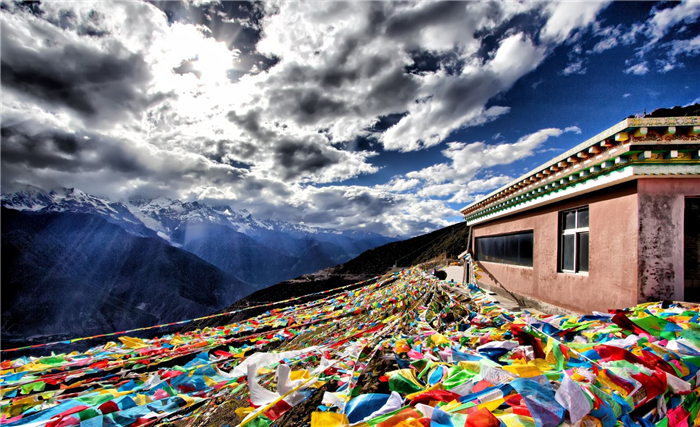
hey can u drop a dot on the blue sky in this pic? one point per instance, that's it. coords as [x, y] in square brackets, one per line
[381, 116]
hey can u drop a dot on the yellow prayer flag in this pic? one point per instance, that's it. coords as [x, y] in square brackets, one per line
[492, 404]
[130, 342]
[328, 419]
[523, 371]
[301, 374]
[513, 420]
[188, 399]
[438, 339]
[142, 399]
[243, 412]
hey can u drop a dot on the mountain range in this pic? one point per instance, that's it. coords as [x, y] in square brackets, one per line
[74, 263]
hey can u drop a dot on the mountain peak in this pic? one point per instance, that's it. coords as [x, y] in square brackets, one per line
[161, 215]
[21, 187]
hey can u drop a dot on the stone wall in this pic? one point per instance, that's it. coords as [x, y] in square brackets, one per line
[661, 241]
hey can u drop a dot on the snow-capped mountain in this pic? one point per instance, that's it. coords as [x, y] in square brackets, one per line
[233, 240]
[165, 215]
[126, 264]
[34, 199]
[160, 215]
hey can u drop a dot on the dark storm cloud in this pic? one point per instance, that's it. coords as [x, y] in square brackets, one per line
[373, 205]
[350, 82]
[468, 93]
[429, 62]
[239, 153]
[293, 99]
[29, 147]
[69, 20]
[66, 152]
[250, 122]
[101, 86]
[297, 158]
[302, 105]
[334, 74]
[394, 87]
[406, 23]
[312, 105]
[66, 19]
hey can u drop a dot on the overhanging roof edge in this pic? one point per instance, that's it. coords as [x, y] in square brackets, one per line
[619, 127]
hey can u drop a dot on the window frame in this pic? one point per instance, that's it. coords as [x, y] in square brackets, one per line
[576, 232]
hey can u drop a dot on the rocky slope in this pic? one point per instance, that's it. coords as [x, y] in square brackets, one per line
[77, 274]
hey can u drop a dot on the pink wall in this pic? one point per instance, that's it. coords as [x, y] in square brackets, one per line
[612, 280]
[661, 211]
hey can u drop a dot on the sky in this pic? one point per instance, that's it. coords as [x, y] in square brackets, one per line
[379, 116]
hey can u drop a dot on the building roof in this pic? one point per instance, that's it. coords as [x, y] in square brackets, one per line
[610, 150]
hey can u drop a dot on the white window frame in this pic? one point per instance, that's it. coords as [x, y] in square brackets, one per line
[576, 231]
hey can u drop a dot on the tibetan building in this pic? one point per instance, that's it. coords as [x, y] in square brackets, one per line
[613, 222]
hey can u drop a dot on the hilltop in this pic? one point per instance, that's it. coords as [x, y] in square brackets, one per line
[444, 244]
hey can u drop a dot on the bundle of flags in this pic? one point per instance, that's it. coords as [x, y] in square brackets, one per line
[404, 350]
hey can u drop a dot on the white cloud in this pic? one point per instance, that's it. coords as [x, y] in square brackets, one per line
[466, 160]
[459, 101]
[574, 68]
[638, 69]
[467, 193]
[398, 185]
[677, 49]
[664, 20]
[567, 17]
[162, 114]
[626, 95]
[606, 44]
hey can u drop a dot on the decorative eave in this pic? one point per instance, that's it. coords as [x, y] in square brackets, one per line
[649, 141]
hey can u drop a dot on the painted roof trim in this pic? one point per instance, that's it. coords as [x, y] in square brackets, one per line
[629, 123]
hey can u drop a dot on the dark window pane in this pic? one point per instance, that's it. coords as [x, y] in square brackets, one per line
[509, 249]
[582, 252]
[567, 252]
[569, 220]
[582, 218]
[500, 248]
[526, 249]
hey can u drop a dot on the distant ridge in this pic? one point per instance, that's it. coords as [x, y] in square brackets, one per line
[260, 252]
[446, 242]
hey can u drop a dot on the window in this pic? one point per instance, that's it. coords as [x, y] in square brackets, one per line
[573, 240]
[513, 249]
